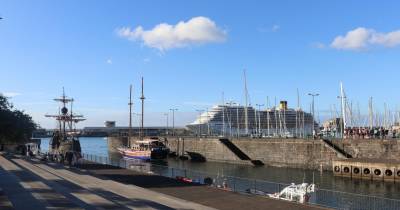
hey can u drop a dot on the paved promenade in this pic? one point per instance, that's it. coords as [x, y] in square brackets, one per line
[35, 186]
[31, 184]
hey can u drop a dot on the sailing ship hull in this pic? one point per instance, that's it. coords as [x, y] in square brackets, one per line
[135, 154]
[155, 154]
[159, 153]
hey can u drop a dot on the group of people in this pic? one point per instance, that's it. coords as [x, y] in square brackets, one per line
[71, 158]
[369, 133]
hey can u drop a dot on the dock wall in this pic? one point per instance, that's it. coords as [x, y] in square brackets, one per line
[293, 153]
[370, 148]
[309, 154]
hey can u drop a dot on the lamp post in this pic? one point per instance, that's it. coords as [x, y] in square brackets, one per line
[167, 116]
[313, 95]
[173, 120]
[199, 125]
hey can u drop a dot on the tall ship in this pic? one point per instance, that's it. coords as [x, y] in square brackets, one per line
[236, 120]
[142, 148]
[65, 142]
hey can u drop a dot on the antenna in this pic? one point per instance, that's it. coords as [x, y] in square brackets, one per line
[142, 98]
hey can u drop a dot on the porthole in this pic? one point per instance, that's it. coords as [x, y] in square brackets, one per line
[398, 173]
[367, 171]
[337, 169]
[346, 169]
[377, 172]
[356, 170]
[388, 172]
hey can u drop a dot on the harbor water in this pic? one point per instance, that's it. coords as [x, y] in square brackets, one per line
[325, 180]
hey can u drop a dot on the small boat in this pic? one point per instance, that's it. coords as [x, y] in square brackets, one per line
[256, 192]
[150, 149]
[188, 180]
[300, 193]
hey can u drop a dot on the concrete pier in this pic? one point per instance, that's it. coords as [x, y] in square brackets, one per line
[31, 184]
[372, 169]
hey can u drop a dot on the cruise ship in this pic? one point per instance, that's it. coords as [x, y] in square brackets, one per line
[237, 120]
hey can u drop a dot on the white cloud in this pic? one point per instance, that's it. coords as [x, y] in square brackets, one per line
[11, 94]
[356, 39]
[198, 30]
[109, 61]
[275, 28]
[362, 38]
[390, 39]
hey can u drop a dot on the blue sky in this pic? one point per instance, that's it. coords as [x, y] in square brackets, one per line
[283, 45]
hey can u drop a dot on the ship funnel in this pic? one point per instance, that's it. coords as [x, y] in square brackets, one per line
[283, 105]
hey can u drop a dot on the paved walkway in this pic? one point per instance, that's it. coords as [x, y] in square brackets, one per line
[34, 185]
[208, 196]
[31, 184]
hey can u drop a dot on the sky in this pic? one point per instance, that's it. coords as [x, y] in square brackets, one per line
[190, 52]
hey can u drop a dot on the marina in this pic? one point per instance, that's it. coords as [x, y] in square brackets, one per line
[187, 105]
[326, 180]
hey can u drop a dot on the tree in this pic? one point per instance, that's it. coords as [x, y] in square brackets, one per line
[15, 125]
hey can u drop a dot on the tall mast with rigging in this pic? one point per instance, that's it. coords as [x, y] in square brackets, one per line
[142, 98]
[130, 116]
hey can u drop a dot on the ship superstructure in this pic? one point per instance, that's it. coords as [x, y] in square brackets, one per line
[237, 120]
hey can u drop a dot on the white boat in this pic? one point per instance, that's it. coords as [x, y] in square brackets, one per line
[145, 150]
[300, 193]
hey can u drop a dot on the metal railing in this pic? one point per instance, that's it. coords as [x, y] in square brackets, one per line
[321, 197]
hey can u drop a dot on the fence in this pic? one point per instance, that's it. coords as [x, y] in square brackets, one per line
[321, 197]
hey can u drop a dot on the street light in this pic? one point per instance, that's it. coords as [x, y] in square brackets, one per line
[167, 115]
[199, 125]
[173, 120]
[313, 95]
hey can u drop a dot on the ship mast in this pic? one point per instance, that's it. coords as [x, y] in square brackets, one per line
[371, 113]
[343, 101]
[142, 98]
[66, 117]
[130, 116]
[246, 120]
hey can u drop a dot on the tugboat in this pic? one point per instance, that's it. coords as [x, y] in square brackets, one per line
[64, 144]
[143, 149]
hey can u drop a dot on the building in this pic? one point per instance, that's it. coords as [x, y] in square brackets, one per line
[123, 131]
[232, 120]
[109, 124]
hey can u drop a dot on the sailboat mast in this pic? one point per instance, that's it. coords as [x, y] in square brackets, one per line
[246, 104]
[223, 114]
[342, 97]
[64, 103]
[371, 114]
[142, 98]
[130, 116]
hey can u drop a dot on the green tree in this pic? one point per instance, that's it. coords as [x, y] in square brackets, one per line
[15, 125]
